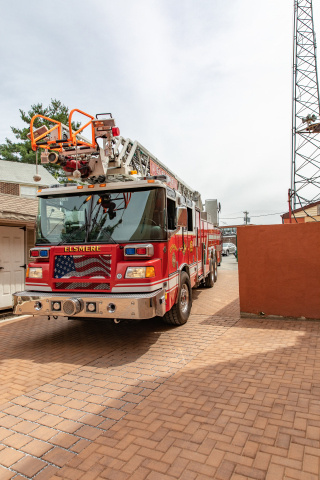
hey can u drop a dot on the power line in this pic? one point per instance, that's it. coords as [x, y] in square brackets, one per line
[255, 216]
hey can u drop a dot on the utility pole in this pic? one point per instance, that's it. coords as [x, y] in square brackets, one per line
[246, 218]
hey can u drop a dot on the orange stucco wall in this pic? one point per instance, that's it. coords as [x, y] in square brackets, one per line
[279, 269]
[296, 220]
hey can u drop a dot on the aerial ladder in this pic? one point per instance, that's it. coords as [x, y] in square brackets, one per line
[115, 159]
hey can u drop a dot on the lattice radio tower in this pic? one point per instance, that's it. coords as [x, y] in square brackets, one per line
[305, 176]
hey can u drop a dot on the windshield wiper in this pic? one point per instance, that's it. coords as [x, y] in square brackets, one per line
[109, 237]
[64, 240]
[94, 222]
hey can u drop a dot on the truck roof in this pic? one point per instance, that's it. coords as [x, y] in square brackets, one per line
[75, 188]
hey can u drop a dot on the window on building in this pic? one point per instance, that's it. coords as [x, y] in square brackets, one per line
[28, 191]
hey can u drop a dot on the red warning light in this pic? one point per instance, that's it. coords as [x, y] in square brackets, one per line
[141, 251]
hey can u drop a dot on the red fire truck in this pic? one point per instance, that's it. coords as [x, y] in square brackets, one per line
[127, 241]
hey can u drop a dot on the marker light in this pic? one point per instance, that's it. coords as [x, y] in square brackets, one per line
[115, 131]
[150, 272]
[141, 251]
[80, 186]
[34, 253]
[90, 186]
[44, 253]
[103, 184]
[130, 251]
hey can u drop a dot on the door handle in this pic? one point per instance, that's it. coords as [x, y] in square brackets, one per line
[23, 266]
[1, 268]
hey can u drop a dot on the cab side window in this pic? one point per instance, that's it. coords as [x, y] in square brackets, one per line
[190, 222]
[171, 209]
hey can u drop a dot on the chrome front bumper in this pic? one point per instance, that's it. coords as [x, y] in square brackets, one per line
[132, 306]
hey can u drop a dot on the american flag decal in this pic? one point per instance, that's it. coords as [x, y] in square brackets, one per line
[68, 266]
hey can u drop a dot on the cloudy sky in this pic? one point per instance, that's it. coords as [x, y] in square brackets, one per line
[205, 85]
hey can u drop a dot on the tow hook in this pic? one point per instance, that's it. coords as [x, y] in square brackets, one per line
[48, 317]
[116, 320]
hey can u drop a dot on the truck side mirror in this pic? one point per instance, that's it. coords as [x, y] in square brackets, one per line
[182, 217]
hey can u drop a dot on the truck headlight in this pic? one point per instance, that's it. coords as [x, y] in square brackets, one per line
[140, 272]
[35, 272]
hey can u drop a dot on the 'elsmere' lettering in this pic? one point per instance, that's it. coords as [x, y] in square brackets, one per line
[82, 249]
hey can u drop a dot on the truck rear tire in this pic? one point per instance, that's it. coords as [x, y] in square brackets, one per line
[179, 313]
[210, 278]
[215, 270]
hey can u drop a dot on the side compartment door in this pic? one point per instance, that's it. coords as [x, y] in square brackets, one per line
[204, 245]
[199, 244]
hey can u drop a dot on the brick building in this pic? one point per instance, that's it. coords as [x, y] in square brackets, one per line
[18, 212]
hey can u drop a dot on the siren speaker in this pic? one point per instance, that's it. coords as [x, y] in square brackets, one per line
[53, 157]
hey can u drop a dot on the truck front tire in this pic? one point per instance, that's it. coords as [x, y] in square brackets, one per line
[179, 313]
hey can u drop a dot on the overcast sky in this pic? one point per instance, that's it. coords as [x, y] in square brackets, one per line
[205, 85]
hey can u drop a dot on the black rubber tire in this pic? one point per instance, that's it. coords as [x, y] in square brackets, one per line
[209, 280]
[215, 270]
[176, 316]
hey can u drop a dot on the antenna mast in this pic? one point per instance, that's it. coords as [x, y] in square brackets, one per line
[305, 173]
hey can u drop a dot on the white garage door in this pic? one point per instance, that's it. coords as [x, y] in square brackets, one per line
[12, 274]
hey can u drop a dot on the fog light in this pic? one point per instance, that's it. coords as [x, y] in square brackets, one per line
[37, 305]
[56, 306]
[91, 307]
[111, 308]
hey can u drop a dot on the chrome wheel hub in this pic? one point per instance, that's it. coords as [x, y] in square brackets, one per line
[184, 298]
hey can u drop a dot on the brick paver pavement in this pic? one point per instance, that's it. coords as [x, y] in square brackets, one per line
[221, 397]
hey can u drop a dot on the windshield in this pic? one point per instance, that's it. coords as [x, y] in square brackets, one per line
[104, 217]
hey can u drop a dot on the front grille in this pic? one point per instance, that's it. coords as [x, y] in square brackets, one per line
[82, 286]
[78, 266]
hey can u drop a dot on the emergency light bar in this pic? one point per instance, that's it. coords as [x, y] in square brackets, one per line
[142, 250]
[162, 178]
[39, 253]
